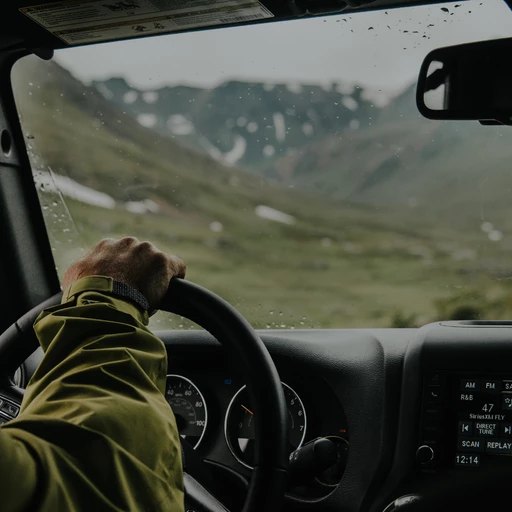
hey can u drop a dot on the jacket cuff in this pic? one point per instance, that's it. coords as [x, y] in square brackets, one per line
[82, 292]
[88, 284]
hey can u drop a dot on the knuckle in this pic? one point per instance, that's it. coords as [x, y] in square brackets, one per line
[145, 247]
[160, 259]
[178, 266]
[128, 241]
[105, 241]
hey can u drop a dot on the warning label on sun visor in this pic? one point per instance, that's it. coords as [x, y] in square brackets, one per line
[89, 21]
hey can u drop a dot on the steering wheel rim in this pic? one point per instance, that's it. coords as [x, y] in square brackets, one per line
[229, 327]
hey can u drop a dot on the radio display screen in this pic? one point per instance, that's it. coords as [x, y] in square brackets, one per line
[466, 420]
[484, 419]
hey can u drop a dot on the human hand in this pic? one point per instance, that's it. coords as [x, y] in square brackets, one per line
[138, 264]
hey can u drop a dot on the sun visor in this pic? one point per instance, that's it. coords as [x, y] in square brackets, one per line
[78, 22]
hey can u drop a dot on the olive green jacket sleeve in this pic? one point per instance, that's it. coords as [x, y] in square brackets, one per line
[95, 432]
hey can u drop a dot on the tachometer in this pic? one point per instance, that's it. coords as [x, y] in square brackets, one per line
[239, 424]
[189, 407]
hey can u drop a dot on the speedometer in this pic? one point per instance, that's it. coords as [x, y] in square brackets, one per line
[189, 408]
[239, 424]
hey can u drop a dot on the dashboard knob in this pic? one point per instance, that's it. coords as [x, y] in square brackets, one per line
[424, 454]
[402, 502]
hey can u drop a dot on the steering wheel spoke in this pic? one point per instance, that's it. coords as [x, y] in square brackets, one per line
[198, 499]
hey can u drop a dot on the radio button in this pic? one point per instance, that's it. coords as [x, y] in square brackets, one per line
[434, 394]
[491, 386]
[468, 397]
[471, 444]
[482, 428]
[506, 402]
[465, 428]
[435, 379]
[498, 446]
[470, 385]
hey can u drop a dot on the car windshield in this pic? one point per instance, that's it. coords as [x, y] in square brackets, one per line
[286, 163]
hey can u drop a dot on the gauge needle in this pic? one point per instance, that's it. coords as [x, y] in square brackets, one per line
[248, 410]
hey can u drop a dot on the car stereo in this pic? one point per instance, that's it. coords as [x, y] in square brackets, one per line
[466, 420]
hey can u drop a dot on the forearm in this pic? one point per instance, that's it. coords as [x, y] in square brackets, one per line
[98, 341]
[95, 410]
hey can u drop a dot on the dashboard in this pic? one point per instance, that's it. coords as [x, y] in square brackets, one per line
[347, 383]
[405, 409]
[213, 414]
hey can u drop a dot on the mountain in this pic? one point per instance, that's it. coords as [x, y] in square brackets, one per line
[442, 171]
[338, 142]
[247, 124]
[331, 233]
[105, 141]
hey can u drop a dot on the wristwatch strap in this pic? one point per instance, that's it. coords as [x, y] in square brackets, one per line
[129, 292]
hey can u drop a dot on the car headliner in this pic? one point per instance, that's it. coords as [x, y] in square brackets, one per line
[17, 31]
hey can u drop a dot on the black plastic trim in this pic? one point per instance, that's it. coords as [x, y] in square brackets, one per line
[27, 269]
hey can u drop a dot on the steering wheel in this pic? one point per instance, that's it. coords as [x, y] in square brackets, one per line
[268, 481]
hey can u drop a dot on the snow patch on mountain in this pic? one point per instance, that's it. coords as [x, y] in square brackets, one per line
[269, 150]
[280, 126]
[105, 91]
[130, 97]
[252, 127]
[268, 213]
[294, 87]
[308, 129]
[56, 183]
[141, 207]
[150, 97]
[238, 151]
[178, 124]
[147, 120]
[350, 103]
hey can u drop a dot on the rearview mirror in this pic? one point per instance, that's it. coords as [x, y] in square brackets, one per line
[468, 82]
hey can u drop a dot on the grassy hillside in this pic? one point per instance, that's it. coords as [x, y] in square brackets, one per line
[334, 266]
[448, 170]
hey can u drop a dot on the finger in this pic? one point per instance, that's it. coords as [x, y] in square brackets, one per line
[178, 266]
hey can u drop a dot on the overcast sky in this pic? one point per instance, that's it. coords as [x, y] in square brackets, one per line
[367, 48]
